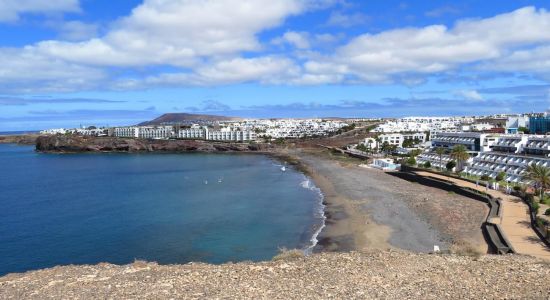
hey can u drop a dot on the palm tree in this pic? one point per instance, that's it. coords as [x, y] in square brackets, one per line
[440, 151]
[460, 154]
[378, 141]
[539, 176]
[370, 145]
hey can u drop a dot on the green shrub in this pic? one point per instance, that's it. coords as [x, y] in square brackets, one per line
[535, 206]
[450, 165]
[485, 178]
[411, 161]
[517, 188]
[500, 176]
[547, 212]
[427, 164]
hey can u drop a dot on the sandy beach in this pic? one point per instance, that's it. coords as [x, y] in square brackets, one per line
[369, 209]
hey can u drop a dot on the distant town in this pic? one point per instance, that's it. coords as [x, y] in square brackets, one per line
[499, 147]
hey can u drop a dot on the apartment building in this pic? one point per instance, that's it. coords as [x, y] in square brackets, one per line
[473, 141]
[167, 132]
[131, 131]
[155, 132]
[434, 159]
[397, 139]
[236, 136]
[512, 155]
[192, 133]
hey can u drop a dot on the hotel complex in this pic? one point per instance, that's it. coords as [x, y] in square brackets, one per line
[493, 154]
[175, 132]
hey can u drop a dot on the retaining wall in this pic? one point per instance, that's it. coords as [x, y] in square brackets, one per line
[498, 243]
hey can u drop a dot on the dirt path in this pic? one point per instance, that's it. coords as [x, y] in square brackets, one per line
[515, 221]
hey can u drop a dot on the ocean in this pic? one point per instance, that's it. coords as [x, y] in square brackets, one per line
[60, 209]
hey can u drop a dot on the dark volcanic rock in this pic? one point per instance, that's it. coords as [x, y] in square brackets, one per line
[24, 139]
[74, 143]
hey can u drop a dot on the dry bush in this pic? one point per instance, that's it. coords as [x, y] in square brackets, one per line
[463, 248]
[286, 254]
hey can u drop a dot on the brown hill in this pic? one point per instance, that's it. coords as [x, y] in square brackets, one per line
[174, 118]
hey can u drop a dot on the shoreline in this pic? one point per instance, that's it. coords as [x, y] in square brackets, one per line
[381, 213]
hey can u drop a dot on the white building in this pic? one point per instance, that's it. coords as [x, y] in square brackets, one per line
[385, 164]
[131, 131]
[423, 124]
[236, 136]
[435, 160]
[54, 131]
[477, 127]
[515, 122]
[473, 141]
[289, 128]
[511, 155]
[155, 132]
[397, 139]
[192, 133]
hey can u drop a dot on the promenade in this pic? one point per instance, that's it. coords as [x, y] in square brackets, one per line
[515, 221]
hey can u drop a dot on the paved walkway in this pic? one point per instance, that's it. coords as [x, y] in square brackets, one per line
[515, 221]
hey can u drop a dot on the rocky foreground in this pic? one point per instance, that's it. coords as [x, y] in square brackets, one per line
[75, 143]
[370, 275]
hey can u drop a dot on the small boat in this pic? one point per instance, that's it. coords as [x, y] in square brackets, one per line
[220, 180]
[206, 182]
[283, 168]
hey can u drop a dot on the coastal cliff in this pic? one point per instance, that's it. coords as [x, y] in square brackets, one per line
[74, 143]
[23, 139]
[354, 275]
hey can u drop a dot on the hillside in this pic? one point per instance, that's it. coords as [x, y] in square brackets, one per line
[373, 275]
[171, 118]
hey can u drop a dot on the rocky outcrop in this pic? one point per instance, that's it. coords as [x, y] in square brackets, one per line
[74, 143]
[24, 139]
[374, 275]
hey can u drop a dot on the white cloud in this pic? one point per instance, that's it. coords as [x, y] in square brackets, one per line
[10, 10]
[299, 40]
[532, 60]
[469, 95]
[77, 31]
[435, 49]
[268, 69]
[208, 50]
[178, 33]
[25, 71]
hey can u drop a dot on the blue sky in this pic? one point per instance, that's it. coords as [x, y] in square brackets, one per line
[70, 62]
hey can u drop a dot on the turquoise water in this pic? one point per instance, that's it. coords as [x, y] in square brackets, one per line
[59, 209]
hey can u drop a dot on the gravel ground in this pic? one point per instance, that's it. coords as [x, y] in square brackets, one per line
[373, 275]
[419, 216]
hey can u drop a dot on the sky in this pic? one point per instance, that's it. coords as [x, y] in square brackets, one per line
[66, 63]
